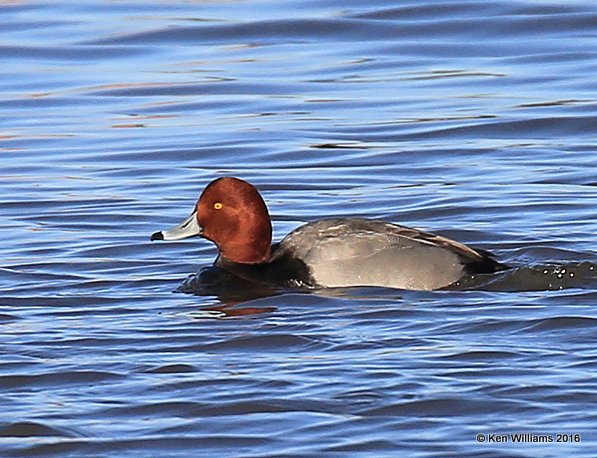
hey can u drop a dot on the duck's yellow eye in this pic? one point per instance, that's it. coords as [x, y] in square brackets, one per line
[218, 205]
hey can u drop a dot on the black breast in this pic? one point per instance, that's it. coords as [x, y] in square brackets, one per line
[283, 269]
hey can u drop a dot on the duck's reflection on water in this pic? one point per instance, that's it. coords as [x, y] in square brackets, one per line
[543, 277]
[238, 297]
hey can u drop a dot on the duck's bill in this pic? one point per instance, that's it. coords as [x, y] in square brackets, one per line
[188, 228]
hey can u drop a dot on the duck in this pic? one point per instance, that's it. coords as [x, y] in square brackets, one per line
[329, 253]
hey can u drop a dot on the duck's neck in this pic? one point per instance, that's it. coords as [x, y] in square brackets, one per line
[248, 253]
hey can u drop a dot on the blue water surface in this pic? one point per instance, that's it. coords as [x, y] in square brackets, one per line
[473, 119]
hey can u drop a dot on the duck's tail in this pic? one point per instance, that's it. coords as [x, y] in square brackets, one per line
[485, 264]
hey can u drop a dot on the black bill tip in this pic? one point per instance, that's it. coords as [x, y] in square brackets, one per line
[157, 236]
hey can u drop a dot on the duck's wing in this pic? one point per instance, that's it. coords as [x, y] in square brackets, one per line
[349, 252]
[474, 260]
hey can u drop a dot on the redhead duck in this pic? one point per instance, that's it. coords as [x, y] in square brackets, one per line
[338, 252]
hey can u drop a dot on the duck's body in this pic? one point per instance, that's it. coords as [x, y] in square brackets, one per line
[339, 252]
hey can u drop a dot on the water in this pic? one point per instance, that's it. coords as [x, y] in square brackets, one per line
[476, 120]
